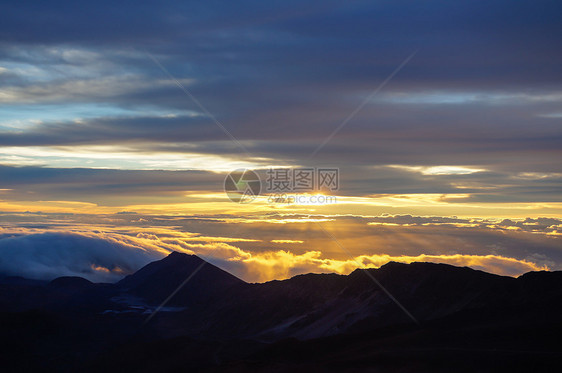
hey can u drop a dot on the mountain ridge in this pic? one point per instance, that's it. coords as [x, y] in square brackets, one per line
[216, 313]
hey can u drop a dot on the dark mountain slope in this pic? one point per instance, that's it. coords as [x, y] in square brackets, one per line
[468, 320]
[316, 305]
[157, 280]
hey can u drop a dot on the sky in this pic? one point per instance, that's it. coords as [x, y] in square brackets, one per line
[120, 122]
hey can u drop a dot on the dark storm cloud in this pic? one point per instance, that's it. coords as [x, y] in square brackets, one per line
[118, 187]
[115, 130]
[102, 186]
[329, 35]
[382, 134]
[278, 45]
[483, 90]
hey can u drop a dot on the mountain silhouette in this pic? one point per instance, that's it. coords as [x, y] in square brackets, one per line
[211, 320]
[158, 280]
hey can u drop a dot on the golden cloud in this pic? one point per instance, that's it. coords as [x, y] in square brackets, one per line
[279, 264]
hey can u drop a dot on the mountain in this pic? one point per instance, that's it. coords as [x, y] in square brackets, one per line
[70, 283]
[319, 305]
[194, 279]
[399, 317]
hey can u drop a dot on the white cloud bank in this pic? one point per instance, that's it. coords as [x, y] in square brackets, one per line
[46, 256]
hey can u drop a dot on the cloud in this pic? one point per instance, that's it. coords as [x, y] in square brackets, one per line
[95, 257]
[466, 127]
[365, 189]
[468, 97]
[490, 263]
[284, 264]
[108, 256]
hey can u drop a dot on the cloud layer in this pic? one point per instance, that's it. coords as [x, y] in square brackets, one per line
[105, 248]
[456, 159]
[95, 257]
[483, 92]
